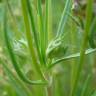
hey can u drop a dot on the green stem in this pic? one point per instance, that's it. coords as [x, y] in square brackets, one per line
[46, 23]
[73, 62]
[84, 45]
[30, 40]
[30, 10]
[42, 32]
[36, 35]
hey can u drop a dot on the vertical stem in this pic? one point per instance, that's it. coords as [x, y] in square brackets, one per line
[42, 32]
[49, 88]
[73, 62]
[84, 44]
[30, 40]
[46, 22]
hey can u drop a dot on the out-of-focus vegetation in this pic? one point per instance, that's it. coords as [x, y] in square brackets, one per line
[46, 49]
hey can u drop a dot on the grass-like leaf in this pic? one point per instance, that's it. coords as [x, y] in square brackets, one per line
[64, 18]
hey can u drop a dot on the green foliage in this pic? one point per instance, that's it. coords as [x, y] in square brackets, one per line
[35, 60]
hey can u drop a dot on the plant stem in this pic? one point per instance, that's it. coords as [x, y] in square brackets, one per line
[73, 62]
[84, 44]
[30, 40]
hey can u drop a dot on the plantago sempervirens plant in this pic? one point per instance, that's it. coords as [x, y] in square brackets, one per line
[44, 53]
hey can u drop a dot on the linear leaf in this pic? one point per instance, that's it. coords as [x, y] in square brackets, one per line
[64, 18]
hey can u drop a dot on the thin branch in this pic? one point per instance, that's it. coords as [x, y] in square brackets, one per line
[73, 56]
